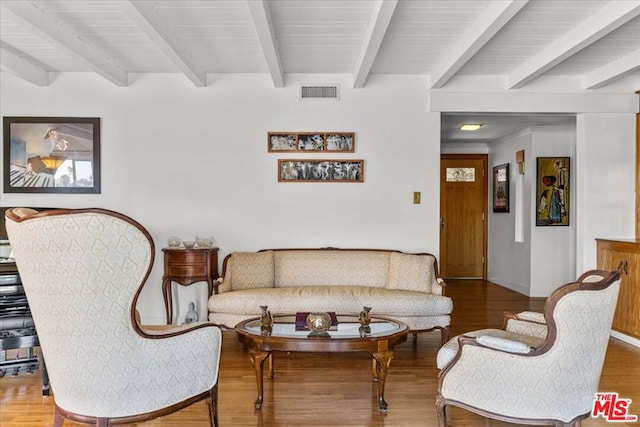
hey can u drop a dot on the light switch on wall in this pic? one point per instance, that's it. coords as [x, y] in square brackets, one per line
[416, 197]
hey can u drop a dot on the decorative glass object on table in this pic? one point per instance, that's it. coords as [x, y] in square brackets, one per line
[204, 242]
[364, 318]
[174, 241]
[266, 321]
[319, 324]
[188, 244]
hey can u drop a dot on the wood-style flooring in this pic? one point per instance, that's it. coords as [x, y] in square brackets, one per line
[337, 389]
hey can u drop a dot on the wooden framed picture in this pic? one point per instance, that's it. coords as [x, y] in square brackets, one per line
[294, 170]
[501, 188]
[311, 142]
[51, 155]
[282, 142]
[341, 142]
[553, 189]
[337, 142]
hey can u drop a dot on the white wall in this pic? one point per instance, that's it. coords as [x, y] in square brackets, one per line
[552, 247]
[509, 262]
[604, 157]
[183, 160]
[605, 152]
[602, 153]
[186, 161]
[545, 258]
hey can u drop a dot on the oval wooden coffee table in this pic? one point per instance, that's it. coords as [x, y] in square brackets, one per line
[385, 334]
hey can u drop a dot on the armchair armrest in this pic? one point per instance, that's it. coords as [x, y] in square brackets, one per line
[531, 316]
[526, 323]
[160, 331]
[503, 344]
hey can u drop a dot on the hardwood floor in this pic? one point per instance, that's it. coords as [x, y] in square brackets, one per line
[336, 389]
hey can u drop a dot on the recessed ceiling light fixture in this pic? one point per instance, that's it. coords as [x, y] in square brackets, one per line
[471, 126]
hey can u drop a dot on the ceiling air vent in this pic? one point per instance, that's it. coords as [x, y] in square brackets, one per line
[320, 92]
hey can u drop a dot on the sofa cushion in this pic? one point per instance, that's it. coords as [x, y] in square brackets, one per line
[341, 299]
[331, 268]
[251, 270]
[411, 272]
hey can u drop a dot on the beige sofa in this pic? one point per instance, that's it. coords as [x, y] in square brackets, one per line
[402, 286]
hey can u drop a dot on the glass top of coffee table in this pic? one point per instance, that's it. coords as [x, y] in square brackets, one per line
[348, 327]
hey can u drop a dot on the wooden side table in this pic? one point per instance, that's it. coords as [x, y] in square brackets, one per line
[187, 266]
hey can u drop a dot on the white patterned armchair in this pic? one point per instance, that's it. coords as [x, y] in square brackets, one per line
[83, 271]
[541, 368]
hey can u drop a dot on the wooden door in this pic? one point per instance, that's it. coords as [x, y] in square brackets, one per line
[463, 216]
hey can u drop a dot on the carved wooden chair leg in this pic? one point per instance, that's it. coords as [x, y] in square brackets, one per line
[212, 403]
[58, 419]
[444, 335]
[441, 411]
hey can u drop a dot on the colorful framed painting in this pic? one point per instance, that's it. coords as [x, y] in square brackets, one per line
[553, 190]
[293, 170]
[51, 155]
[501, 188]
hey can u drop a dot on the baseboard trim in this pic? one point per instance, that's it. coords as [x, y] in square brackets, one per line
[626, 338]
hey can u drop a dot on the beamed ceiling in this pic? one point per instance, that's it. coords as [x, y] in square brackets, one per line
[596, 41]
[592, 43]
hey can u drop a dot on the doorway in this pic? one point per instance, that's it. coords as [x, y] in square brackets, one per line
[463, 215]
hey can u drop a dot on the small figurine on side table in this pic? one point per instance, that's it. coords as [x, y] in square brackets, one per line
[192, 314]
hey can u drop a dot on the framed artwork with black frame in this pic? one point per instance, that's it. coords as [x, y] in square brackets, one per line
[51, 155]
[553, 191]
[501, 188]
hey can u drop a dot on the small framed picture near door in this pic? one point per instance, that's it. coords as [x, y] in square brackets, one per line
[501, 188]
[552, 191]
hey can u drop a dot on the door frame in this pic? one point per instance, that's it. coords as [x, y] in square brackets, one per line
[485, 190]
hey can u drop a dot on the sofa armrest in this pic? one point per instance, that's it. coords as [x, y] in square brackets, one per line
[439, 287]
[220, 286]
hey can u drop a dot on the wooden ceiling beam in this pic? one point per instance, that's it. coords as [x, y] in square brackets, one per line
[495, 16]
[144, 15]
[613, 71]
[382, 13]
[264, 27]
[30, 16]
[612, 16]
[22, 68]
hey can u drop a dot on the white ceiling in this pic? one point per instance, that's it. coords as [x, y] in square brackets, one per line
[496, 126]
[595, 42]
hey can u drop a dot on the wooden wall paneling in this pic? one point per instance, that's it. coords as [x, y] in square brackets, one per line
[611, 254]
